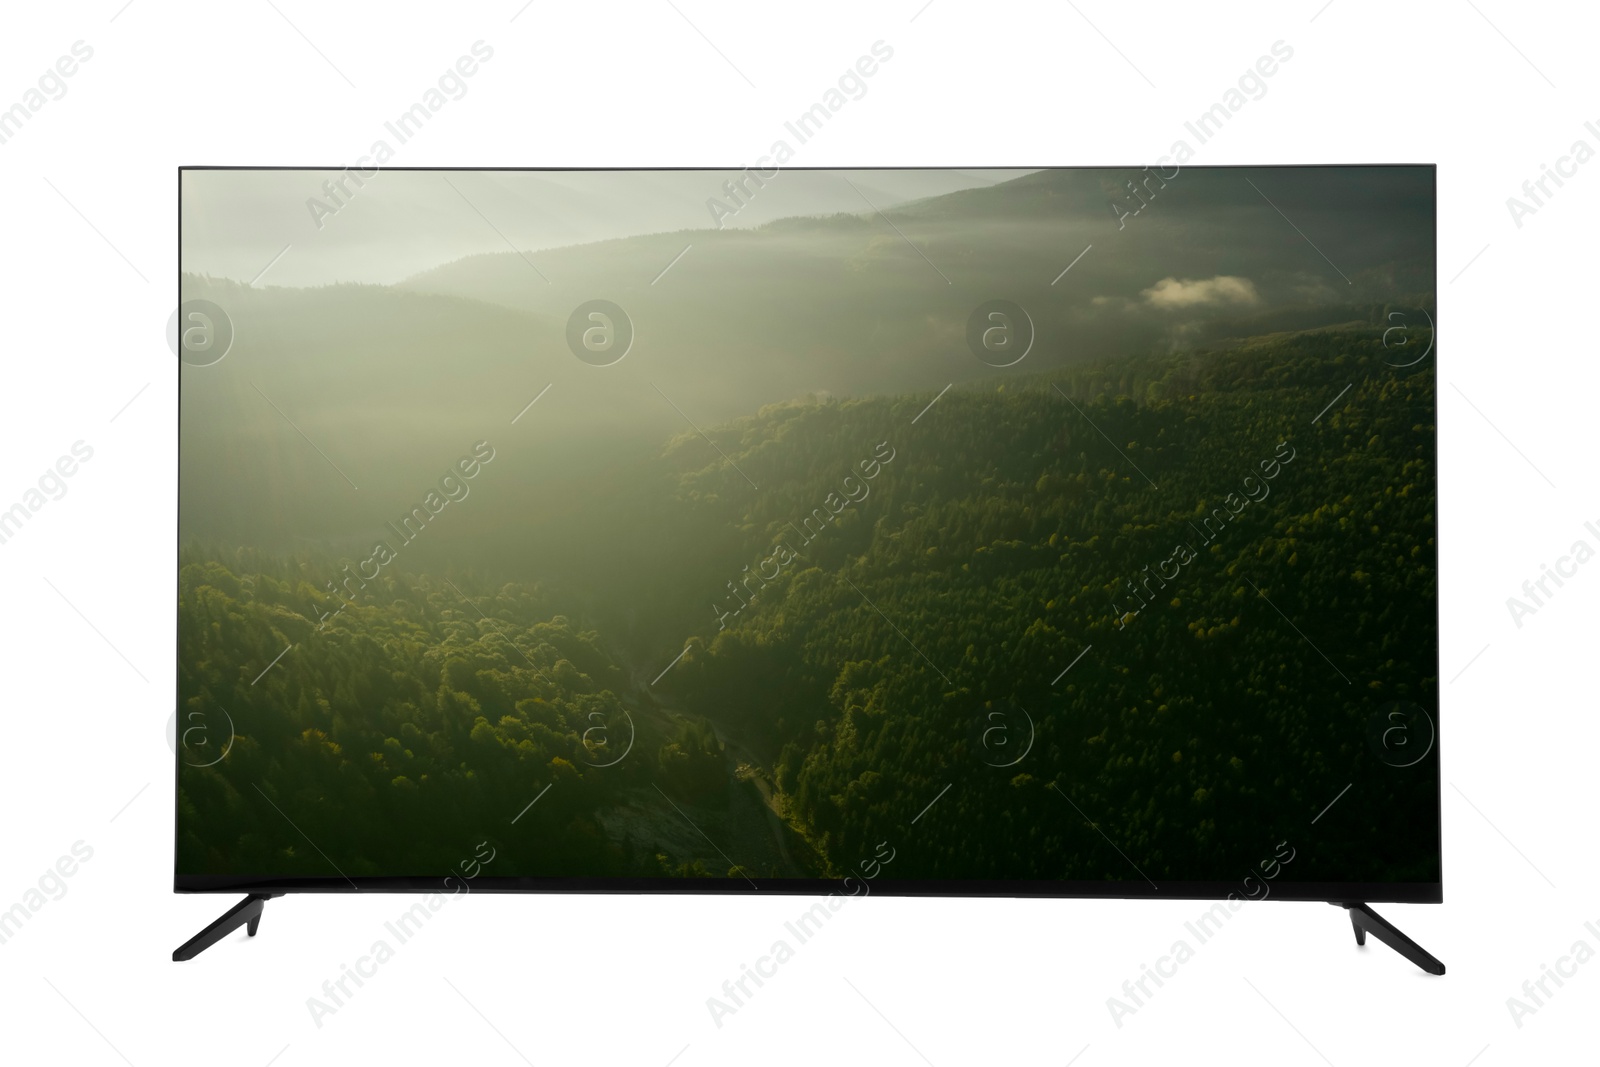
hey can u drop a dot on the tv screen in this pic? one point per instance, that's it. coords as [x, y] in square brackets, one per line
[1024, 532]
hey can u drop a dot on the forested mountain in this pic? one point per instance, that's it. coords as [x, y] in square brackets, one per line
[1216, 712]
[1238, 542]
[869, 303]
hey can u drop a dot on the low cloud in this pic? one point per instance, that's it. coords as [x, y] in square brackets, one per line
[1174, 293]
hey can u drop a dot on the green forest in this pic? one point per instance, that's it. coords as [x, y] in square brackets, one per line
[1184, 584]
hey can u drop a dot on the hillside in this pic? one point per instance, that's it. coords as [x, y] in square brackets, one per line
[944, 564]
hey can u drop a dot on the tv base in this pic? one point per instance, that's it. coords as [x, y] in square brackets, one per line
[1365, 921]
[245, 913]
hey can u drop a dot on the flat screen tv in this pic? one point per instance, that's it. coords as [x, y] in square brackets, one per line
[993, 532]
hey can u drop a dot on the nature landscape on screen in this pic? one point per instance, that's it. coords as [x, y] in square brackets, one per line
[1003, 526]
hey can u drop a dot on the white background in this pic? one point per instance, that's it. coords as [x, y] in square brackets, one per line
[1489, 90]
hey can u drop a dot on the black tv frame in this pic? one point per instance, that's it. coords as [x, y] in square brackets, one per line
[1352, 896]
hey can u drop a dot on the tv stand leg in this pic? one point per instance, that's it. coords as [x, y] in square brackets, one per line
[246, 913]
[1364, 920]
